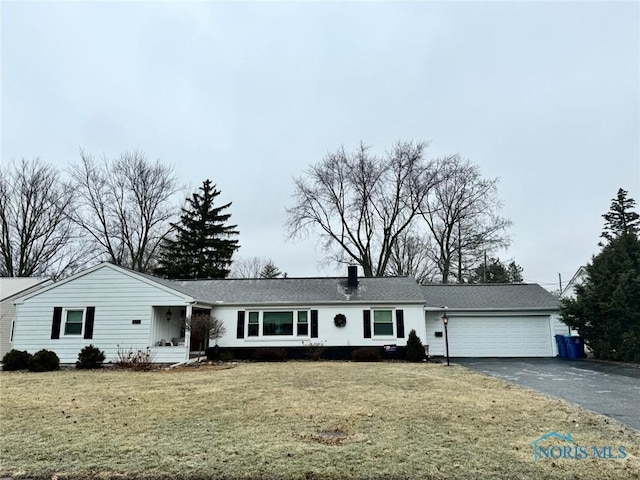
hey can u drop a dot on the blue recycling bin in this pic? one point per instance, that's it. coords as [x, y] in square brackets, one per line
[562, 346]
[575, 347]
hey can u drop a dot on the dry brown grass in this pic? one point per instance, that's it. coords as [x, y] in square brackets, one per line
[293, 420]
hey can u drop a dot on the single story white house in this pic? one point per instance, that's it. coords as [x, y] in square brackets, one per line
[115, 308]
[10, 289]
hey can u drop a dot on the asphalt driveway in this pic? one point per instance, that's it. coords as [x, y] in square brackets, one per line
[609, 389]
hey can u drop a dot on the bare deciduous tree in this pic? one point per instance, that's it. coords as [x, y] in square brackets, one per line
[411, 257]
[248, 267]
[361, 204]
[36, 234]
[204, 328]
[125, 206]
[462, 215]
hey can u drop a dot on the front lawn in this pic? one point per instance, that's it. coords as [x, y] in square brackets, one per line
[294, 420]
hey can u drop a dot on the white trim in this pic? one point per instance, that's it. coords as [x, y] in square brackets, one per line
[394, 321]
[261, 336]
[63, 323]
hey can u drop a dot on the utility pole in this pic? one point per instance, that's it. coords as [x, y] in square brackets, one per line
[560, 281]
[484, 270]
[459, 255]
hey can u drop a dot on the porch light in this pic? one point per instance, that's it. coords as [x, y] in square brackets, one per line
[169, 315]
[445, 321]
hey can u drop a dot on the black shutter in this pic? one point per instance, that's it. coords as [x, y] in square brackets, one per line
[314, 323]
[400, 323]
[240, 329]
[366, 320]
[57, 320]
[88, 323]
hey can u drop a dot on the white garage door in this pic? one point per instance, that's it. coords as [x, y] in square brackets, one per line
[500, 336]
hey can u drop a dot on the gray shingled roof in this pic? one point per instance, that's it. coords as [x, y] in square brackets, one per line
[299, 290]
[490, 296]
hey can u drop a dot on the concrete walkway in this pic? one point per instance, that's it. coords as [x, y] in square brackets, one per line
[605, 388]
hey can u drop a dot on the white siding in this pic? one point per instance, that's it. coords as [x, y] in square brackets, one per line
[352, 334]
[118, 299]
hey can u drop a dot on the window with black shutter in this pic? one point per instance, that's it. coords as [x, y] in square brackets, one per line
[57, 322]
[366, 321]
[314, 323]
[88, 324]
[400, 323]
[240, 326]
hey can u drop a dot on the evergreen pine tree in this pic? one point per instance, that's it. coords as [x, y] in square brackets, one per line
[414, 351]
[496, 272]
[621, 218]
[515, 272]
[270, 271]
[606, 309]
[203, 244]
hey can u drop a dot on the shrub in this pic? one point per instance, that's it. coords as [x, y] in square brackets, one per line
[90, 358]
[15, 360]
[270, 355]
[212, 353]
[134, 360]
[414, 351]
[44, 361]
[366, 355]
[226, 356]
[314, 351]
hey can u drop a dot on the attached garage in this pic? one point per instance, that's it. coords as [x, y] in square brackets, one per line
[492, 320]
[491, 336]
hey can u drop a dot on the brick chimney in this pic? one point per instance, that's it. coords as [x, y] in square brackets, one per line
[352, 278]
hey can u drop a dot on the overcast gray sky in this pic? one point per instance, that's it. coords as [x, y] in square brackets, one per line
[544, 96]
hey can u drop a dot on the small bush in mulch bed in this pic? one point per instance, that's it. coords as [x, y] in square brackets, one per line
[270, 355]
[44, 361]
[90, 358]
[366, 355]
[15, 360]
[212, 353]
[226, 356]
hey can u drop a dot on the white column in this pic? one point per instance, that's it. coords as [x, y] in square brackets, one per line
[187, 332]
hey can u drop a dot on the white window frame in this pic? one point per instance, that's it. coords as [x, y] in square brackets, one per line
[373, 323]
[307, 323]
[248, 316]
[63, 325]
[294, 335]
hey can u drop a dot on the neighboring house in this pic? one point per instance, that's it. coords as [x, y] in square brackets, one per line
[492, 320]
[11, 288]
[569, 291]
[115, 308]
